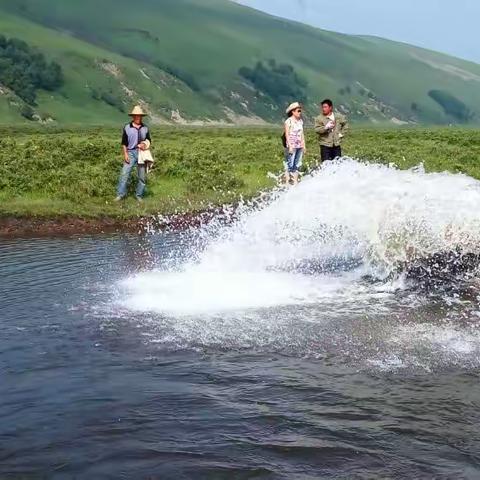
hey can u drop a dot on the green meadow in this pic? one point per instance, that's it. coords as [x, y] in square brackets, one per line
[63, 173]
[182, 59]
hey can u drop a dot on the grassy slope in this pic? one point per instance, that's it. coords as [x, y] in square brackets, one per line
[211, 39]
[195, 167]
[81, 62]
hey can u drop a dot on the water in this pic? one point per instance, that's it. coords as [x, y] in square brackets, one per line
[291, 341]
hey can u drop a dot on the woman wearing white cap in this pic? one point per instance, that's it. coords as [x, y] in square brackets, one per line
[295, 142]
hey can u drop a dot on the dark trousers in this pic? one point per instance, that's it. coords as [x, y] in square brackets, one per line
[330, 153]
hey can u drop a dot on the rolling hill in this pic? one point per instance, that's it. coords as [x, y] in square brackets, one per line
[213, 61]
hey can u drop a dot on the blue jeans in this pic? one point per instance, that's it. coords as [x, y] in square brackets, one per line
[126, 172]
[293, 161]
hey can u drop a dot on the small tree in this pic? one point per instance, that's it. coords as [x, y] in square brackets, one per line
[27, 112]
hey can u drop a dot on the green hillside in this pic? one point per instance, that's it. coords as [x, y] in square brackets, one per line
[183, 60]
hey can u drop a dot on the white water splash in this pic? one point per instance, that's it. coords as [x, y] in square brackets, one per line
[350, 214]
[353, 209]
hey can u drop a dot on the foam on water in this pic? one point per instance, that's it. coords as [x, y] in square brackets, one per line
[203, 291]
[373, 217]
[317, 270]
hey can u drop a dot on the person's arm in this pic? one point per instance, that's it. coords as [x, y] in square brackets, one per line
[143, 145]
[125, 146]
[287, 135]
[304, 143]
[125, 154]
[320, 126]
[344, 126]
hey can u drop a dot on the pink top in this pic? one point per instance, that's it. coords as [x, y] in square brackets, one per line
[295, 132]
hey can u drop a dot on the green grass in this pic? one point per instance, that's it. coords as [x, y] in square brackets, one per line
[82, 65]
[56, 173]
[210, 40]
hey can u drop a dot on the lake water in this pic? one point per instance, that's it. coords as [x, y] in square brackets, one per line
[286, 345]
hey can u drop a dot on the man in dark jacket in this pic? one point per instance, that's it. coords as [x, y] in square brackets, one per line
[331, 127]
[134, 133]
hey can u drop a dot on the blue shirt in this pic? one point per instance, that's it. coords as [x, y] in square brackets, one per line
[132, 136]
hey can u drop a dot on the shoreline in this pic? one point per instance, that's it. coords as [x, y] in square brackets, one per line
[32, 227]
[66, 184]
[27, 227]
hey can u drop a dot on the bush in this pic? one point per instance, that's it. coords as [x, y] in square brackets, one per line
[182, 75]
[27, 112]
[209, 171]
[278, 81]
[113, 100]
[25, 70]
[451, 105]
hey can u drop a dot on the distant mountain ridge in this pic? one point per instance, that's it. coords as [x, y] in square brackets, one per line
[214, 61]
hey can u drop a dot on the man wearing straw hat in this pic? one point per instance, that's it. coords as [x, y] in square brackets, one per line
[134, 135]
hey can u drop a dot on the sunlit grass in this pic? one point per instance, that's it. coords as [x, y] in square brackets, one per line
[74, 173]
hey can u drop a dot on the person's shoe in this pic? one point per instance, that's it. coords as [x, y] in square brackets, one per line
[139, 199]
[118, 199]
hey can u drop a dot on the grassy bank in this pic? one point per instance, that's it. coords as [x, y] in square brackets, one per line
[58, 173]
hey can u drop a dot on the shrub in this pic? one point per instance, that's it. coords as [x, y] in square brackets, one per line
[113, 100]
[25, 70]
[27, 112]
[211, 172]
[279, 81]
[182, 75]
[451, 105]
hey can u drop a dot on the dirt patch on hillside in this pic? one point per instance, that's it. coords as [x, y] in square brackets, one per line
[448, 68]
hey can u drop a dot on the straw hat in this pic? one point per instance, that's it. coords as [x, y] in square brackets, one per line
[293, 106]
[137, 110]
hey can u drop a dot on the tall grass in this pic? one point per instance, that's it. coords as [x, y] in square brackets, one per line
[52, 173]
